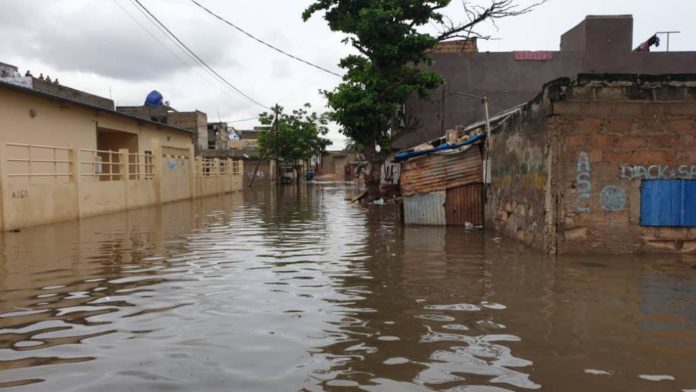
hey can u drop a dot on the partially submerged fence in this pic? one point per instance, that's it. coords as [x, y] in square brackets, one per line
[214, 176]
[43, 184]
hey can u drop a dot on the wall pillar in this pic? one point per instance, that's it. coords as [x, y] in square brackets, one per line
[76, 172]
[197, 175]
[218, 175]
[124, 171]
[192, 173]
[156, 148]
[3, 184]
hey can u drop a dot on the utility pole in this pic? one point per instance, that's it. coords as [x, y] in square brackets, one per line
[276, 110]
[489, 141]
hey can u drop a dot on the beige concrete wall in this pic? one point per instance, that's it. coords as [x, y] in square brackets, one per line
[177, 169]
[207, 186]
[35, 204]
[102, 197]
[231, 183]
[34, 120]
[141, 193]
[29, 119]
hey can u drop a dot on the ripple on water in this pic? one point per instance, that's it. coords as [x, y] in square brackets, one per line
[297, 289]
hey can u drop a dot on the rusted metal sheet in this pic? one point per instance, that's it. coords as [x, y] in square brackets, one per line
[464, 204]
[440, 172]
[426, 209]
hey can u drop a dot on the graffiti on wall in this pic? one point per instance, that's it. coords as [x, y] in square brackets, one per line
[613, 198]
[529, 174]
[584, 182]
[657, 172]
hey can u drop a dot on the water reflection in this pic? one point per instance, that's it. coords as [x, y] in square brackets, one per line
[298, 289]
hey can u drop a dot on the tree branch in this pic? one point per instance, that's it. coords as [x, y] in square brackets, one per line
[475, 14]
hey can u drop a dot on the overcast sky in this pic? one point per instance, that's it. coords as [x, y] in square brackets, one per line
[96, 46]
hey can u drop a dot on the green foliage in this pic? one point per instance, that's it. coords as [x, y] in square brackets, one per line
[388, 69]
[296, 136]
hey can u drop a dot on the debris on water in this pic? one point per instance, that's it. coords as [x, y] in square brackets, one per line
[598, 372]
[656, 377]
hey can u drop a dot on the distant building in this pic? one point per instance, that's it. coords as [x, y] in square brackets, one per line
[195, 121]
[7, 70]
[599, 44]
[219, 136]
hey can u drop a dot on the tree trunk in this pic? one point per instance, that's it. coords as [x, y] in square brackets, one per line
[373, 177]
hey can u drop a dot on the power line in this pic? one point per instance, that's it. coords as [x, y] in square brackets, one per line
[165, 46]
[209, 78]
[263, 42]
[242, 120]
[198, 59]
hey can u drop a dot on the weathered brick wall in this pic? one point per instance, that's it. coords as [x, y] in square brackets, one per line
[457, 46]
[516, 198]
[154, 113]
[196, 121]
[612, 135]
[72, 94]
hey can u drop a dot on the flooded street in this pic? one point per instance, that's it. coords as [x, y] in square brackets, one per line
[300, 290]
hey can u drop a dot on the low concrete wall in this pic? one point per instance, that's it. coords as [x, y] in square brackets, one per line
[141, 193]
[176, 179]
[207, 186]
[30, 198]
[101, 197]
[35, 204]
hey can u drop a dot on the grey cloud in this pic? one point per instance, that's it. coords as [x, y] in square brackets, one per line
[100, 38]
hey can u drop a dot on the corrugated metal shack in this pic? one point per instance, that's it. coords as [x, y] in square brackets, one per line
[444, 185]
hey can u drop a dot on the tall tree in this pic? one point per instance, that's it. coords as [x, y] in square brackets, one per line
[294, 137]
[390, 65]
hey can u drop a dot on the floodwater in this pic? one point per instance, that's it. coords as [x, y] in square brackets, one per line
[300, 290]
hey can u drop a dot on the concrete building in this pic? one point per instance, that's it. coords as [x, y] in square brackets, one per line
[600, 164]
[64, 156]
[195, 121]
[219, 136]
[599, 44]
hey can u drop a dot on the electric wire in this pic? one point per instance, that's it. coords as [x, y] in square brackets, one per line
[198, 59]
[263, 42]
[242, 120]
[165, 46]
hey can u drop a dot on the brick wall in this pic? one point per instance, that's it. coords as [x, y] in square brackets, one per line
[458, 46]
[72, 94]
[567, 168]
[516, 198]
[153, 113]
[612, 135]
[196, 121]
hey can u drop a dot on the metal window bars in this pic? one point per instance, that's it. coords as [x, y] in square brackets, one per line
[206, 167]
[141, 167]
[101, 164]
[40, 161]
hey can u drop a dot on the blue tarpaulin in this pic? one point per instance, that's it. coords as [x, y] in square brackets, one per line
[154, 99]
[406, 155]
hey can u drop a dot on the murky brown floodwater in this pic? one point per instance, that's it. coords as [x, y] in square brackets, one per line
[292, 291]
